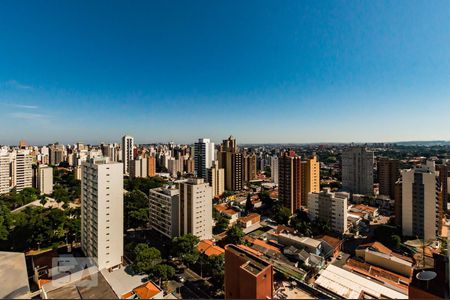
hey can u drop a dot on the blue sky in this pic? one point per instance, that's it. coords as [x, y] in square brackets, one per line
[264, 71]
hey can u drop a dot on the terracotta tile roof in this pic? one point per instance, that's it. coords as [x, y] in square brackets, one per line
[248, 249]
[262, 244]
[146, 291]
[208, 248]
[254, 217]
[331, 240]
[378, 246]
[365, 208]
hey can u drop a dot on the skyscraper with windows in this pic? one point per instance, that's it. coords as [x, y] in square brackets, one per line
[357, 170]
[203, 157]
[102, 211]
[289, 181]
[23, 176]
[127, 153]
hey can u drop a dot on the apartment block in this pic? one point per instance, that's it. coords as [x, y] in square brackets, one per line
[216, 179]
[23, 175]
[329, 207]
[196, 208]
[102, 211]
[44, 179]
[165, 210]
[310, 177]
[289, 186]
[357, 170]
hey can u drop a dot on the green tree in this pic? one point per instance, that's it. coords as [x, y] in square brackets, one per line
[146, 258]
[5, 222]
[281, 215]
[222, 223]
[215, 267]
[162, 272]
[185, 247]
[235, 235]
[136, 210]
[395, 241]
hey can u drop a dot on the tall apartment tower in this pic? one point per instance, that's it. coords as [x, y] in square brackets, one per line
[290, 183]
[274, 169]
[165, 210]
[247, 276]
[357, 170]
[249, 166]
[102, 211]
[44, 179]
[138, 167]
[444, 172]
[421, 193]
[388, 171]
[231, 160]
[216, 179]
[310, 177]
[127, 153]
[203, 157]
[398, 199]
[23, 171]
[4, 173]
[151, 166]
[329, 207]
[196, 208]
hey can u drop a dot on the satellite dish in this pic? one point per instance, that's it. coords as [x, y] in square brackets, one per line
[426, 275]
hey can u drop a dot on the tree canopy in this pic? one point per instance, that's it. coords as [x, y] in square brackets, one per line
[185, 247]
[235, 235]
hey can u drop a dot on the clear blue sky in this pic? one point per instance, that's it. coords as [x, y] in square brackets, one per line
[264, 71]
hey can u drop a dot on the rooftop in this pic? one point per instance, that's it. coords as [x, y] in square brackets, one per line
[13, 275]
[208, 248]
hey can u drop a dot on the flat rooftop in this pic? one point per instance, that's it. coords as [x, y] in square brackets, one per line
[13, 275]
[253, 263]
[84, 289]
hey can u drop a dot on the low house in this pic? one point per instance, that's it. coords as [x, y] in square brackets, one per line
[331, 245]
[309, 244]
[250, 220]
[231, 212]
[379, 255]
[148, 290]
[308, 259]
[366, 211]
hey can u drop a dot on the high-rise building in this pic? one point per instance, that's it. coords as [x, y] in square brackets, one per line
[176, 166]
[216, 179]
[127, 153]
[398, 196]
[247, 276]
[189, 166]
[196, 208]
[289, 181]
[138, 167]
[230, 159]
[329, 208]
[57, 154]
[151, 166]
[110, 151]
[357, 170]
[249, 166]
[102, 211]
[44, 179]
[444, 171]
[274, 169]
[310, 177]
[388, 172]
[203, 157]
[4, 173]
[421, 195]
[165, 210]
[23, 171]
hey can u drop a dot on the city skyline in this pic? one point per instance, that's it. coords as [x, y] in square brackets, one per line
[300, 73]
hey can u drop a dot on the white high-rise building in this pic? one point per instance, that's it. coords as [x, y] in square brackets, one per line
[4, 173]
[216, 179]
[127, 153]
[420, 202]
[165, 210]
[329, 207]
[23, 171]
[196, 208]
[203, 157]
[357, 170]
[44, 179]
[102, 211]
[274, 169]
